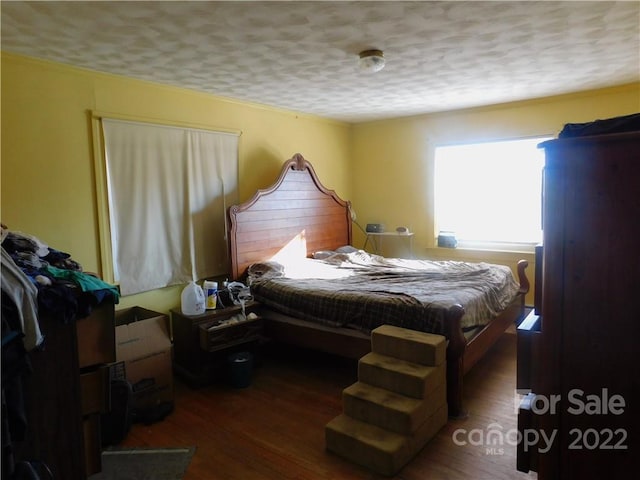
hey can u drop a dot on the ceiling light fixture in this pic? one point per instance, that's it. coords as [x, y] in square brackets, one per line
[371, 60]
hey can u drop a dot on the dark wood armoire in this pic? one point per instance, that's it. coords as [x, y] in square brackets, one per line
[578, 351]
[66, 391]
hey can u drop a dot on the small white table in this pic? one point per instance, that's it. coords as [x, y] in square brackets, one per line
[376, 240]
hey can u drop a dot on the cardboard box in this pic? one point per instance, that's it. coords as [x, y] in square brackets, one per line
[143, 343]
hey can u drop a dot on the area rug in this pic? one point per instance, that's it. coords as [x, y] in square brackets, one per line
[144, 463]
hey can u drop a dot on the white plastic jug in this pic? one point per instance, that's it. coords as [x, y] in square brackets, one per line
[192, 299]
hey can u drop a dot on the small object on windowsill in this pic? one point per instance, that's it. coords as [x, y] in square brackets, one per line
[447, 240]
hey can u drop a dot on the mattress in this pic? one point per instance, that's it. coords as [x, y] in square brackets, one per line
[356, 289]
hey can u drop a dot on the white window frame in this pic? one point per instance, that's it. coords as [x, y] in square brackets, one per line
[196, 260]
[511, 193]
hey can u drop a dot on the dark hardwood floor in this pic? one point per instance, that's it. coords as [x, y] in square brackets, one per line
[274, 429]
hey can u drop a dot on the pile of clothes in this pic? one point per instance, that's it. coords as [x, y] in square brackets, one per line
[37, 280]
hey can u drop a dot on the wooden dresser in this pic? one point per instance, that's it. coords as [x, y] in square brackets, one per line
[67, 391]
[579, 358]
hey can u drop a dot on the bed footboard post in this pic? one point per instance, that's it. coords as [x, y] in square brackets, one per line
[522, 277]
[455, 359]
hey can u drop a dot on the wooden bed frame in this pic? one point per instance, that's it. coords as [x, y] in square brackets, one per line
[297, 213]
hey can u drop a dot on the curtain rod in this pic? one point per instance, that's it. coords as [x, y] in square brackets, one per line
[96, 114]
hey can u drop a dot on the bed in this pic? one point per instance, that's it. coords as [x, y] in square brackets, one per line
[282, 233]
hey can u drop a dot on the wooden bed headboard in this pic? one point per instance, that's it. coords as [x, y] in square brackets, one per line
[297, 215]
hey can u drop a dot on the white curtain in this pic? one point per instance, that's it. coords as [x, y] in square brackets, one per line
[168, 191]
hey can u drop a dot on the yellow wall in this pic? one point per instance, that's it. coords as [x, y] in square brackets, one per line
[48, 187]
[384, 167]
[393, 159]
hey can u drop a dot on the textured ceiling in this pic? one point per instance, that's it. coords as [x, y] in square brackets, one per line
[302, 56]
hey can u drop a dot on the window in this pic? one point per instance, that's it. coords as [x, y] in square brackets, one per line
[167, 189]
[489, 194]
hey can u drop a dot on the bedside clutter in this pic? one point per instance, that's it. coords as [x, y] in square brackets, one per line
[202, 343]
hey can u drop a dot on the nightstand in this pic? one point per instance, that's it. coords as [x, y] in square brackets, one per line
[200, 366]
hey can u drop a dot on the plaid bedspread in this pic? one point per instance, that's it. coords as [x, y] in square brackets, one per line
[364, 291]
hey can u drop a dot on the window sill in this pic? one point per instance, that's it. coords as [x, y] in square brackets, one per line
[515, 247]
[478, 254]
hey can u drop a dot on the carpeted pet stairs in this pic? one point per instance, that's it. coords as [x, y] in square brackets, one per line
[398, 403]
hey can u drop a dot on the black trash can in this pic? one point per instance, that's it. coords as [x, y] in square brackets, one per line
[240, 367]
